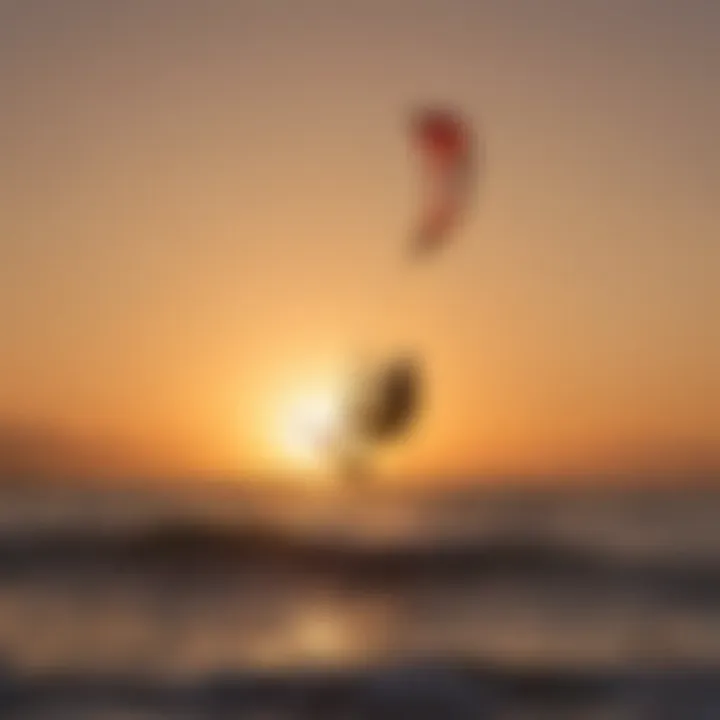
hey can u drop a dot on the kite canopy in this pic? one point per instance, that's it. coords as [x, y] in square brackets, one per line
[448, 153]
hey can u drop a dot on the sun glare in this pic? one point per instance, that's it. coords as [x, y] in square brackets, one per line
[308, 423]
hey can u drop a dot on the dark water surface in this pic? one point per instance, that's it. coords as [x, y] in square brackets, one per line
[237, 603]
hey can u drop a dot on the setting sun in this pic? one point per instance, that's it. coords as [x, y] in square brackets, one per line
[307, 425]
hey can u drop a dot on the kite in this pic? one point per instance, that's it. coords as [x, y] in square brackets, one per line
[449, 157]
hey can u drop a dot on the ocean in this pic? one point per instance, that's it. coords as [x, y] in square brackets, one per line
[237, 601]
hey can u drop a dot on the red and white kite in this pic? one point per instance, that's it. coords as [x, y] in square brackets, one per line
[450, 160]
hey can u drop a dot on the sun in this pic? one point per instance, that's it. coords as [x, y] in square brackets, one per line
[309, 423]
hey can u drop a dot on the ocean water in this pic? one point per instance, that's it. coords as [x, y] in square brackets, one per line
[231, 601]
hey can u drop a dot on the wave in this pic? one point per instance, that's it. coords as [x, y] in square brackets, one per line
[209, 549]
[423, 689]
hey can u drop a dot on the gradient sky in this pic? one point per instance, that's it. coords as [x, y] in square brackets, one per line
[199, 200]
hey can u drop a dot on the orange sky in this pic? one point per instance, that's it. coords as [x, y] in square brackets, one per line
[198, 201]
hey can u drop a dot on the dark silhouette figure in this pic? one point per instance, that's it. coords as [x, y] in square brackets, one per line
[392, 401]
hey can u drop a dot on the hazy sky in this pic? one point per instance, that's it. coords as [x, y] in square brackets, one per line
[199, 200]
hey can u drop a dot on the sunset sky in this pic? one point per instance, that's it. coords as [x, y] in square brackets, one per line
[200, 202]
